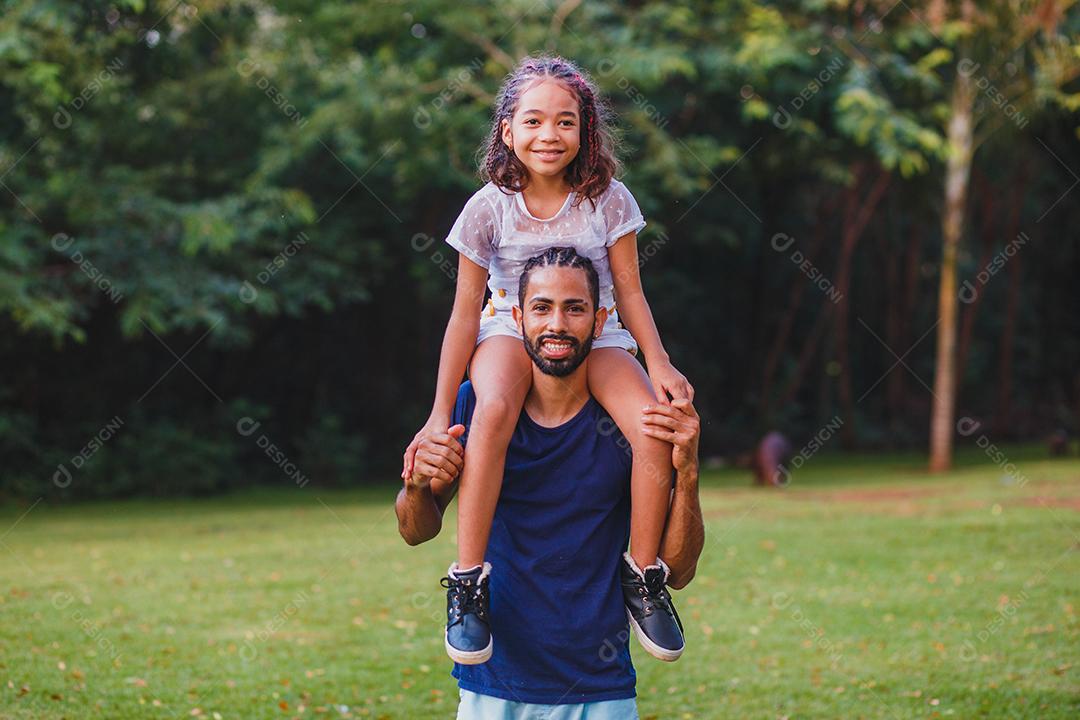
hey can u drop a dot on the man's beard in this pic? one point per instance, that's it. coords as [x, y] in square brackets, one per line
[563, 366]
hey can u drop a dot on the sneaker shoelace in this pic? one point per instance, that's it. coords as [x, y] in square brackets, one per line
[467, 596]
[655, 595]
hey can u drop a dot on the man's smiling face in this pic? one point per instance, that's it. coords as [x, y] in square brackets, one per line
[558, 320]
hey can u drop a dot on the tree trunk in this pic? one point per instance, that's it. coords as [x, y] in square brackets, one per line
[987, 232]
[897, 381]
[1005, 356]
[807, 354]
[780, 339]
[957, 176]
[894, 291]
[1003, 411]
[855, 223]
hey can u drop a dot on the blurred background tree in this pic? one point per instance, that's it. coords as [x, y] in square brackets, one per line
[223, 215]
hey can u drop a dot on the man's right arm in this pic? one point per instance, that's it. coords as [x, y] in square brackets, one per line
[684, 532]
[431, 486]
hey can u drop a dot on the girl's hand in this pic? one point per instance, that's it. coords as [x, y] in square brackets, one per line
[431, 427]
[667, 380]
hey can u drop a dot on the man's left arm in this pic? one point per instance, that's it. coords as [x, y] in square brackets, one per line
[684, 533]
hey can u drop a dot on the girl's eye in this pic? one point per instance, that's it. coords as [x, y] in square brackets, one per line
[567, 123]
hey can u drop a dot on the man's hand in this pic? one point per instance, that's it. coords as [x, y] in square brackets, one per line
[408, 460]
[438, 456]
[429, 488]
[678, 424]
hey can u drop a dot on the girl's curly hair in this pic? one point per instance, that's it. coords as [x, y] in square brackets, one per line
[590, 172]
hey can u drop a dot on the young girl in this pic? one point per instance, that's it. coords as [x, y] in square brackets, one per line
[549, 162]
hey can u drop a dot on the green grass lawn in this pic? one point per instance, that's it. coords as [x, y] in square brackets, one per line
[867, 589]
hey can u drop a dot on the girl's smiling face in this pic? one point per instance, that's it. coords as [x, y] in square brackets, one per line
[545, 132]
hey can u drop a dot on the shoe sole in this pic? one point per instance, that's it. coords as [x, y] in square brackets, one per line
[650, 647]
[468, 657]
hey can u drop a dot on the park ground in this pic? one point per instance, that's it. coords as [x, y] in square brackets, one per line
[866, 589]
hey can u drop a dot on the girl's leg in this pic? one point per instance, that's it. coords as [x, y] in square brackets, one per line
[501, 375]
[620, 384]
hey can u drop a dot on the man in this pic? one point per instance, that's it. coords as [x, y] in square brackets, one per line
[557, 593]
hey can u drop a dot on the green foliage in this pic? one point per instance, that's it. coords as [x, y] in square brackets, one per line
[897, 139]
[163, 458]
[254, 174]
[333, 455]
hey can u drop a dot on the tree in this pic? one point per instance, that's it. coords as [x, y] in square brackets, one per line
[1028, 33]
[933, 81]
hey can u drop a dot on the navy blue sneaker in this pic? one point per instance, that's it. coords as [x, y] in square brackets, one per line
[650, 609]
[468, 624]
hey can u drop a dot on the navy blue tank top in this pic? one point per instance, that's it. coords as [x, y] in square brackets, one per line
[561, 525]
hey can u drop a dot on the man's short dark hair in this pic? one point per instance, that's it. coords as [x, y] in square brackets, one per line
[561, 257]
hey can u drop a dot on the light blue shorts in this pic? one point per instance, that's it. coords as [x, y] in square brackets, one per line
[474, 706]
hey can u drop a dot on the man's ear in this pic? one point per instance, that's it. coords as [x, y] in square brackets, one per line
[518, 318]
[601, 318]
